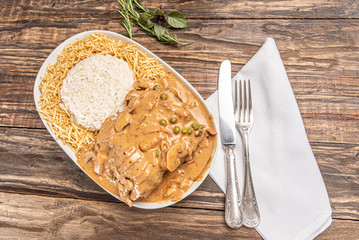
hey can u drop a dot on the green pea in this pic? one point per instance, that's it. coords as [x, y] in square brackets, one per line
[176, 130]
[156, 87]
[189, 131]
[195, 126]
[173, 120]
[163, 122]
[157, 153]
[163, 96]
[184, 131]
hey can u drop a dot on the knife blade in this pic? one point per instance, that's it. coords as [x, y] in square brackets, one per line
[233, 213]
[225, 103]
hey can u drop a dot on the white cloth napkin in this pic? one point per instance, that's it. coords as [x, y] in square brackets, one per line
[292, 198]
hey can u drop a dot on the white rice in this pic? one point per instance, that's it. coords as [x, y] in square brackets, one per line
[95, 89]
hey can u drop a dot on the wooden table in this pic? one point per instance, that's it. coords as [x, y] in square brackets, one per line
[44, 195]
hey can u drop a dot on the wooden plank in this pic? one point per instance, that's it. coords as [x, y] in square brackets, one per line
[17, 107]
[32, 163]
[37, 217]
[328, 105]
[321, 58]
[261, 9]
[202, 9]
[340, 229]
[42, 217]
[305, 50]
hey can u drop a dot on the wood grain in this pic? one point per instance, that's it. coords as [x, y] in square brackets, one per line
[22, 53]
[328, 105]
[44, 195]
[75, 219]
[38, 166]
[304, 49]
[255, 9]
[202, 9]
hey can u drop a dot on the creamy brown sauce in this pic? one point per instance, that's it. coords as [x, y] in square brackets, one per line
[140, 158]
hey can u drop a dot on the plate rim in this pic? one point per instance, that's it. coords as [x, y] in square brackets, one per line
[52, 58]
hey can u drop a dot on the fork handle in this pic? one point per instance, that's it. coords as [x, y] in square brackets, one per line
[251, 216]
[233, 213]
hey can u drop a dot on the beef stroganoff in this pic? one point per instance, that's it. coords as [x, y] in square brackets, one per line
[151, 151]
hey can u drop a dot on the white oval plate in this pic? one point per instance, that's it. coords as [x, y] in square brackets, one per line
[52, 58]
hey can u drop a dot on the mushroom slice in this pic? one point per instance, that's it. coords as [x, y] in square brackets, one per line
[151, 142]
[133, 94]
[132, 104]
[211, 131]
[143, 83]
[87, 157]
[175, 154]
[123, 120]
[99, 163]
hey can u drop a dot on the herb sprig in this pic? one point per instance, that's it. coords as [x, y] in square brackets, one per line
[154, 24]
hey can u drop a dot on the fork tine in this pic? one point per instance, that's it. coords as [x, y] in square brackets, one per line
[240, 95]
[245, 102]
[235, 99]
[250, 100]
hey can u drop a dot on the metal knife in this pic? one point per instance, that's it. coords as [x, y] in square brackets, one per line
[233, 213]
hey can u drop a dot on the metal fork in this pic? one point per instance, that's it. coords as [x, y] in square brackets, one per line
[244, 122]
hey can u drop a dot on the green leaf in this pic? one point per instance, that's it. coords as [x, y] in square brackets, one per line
[153, 24]
[160, 18]
[149, 24]
[177, 20]
[159, 30]
[159, 12]
[145, 18]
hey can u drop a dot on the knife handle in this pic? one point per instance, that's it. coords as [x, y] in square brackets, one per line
[233, 213]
